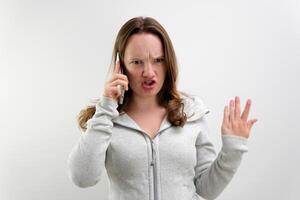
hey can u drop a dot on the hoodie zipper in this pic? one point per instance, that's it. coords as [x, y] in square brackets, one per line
[153, 164]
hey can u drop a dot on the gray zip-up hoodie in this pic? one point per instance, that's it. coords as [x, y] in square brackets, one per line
[180, 163]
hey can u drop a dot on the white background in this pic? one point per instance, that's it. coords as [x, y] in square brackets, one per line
[55, 56]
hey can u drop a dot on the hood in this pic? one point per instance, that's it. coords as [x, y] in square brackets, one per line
[194, 107]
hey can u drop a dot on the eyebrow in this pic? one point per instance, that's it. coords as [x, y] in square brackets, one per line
[136, 58]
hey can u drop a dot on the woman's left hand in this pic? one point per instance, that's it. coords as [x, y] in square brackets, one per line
[233, 122]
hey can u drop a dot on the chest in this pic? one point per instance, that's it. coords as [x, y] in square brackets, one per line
[129, 150]
[150, 125]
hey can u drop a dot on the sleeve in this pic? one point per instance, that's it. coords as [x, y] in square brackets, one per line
[214, 172]
[87, 159]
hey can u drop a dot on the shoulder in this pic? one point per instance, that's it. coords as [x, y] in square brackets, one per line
[194, 106]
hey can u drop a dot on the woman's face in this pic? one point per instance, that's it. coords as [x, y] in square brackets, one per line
[144, 60]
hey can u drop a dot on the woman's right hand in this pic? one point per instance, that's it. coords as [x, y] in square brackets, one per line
[110, 89]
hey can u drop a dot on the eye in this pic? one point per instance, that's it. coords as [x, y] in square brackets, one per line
[159, 60]
[137, 62]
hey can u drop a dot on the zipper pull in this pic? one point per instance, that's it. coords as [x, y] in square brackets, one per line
[152, 163]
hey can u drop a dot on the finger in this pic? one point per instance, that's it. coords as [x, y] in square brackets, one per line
[119, 76]
[120, 82]
[114, 91]
[117, 68]
[237, 108]
[226, 115]
[246, 110]
[231, 110]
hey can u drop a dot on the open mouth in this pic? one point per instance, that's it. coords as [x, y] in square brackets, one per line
[149, 82]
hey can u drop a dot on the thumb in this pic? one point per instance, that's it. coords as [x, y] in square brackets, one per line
[251, 122]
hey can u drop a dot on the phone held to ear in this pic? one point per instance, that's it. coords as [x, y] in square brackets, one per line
[120, 87]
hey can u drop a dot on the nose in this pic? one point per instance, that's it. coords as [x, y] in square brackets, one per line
[148, 70]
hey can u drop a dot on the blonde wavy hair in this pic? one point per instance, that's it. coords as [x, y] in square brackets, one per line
[169, 96]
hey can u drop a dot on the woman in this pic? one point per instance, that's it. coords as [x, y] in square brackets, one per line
[155, 145]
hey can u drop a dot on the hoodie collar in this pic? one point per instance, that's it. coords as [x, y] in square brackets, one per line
[193, 107]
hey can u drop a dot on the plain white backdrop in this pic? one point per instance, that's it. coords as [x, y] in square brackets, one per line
[54, 56]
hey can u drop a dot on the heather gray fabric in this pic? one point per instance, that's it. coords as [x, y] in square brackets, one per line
[178, 164]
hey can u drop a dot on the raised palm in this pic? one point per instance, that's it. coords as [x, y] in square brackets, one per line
[233, 122]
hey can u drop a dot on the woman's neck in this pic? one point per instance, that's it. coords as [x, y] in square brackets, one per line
[142, 104]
